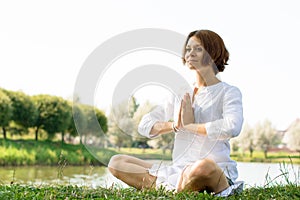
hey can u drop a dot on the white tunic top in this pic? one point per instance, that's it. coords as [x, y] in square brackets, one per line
[218, 106]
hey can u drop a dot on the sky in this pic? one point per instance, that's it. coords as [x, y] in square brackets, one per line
[43, 45]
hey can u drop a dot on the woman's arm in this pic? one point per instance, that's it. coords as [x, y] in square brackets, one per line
[227, 127]
[161, 128]
[157, 121]
[230, 124]
[186, 119]
[196, 128]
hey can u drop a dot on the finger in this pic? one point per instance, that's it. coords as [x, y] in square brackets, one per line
[179, 115]
[186, 96]
[188, 99]
[188, 103]
[183, 104]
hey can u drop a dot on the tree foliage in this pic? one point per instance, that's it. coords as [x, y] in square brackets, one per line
[51, 114]
[54, 114]
[121, 125]
[90, 123]
[265, 136]
[292, 136]
[24, 110]
[246, 138]
[78, 121]
[6, 111]
[261, 137]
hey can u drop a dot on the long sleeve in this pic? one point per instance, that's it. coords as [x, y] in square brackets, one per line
[162, 113]
[149, 120]
[231, 122]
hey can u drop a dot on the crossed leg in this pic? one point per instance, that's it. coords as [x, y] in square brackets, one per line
[132, 171]
[203, 175]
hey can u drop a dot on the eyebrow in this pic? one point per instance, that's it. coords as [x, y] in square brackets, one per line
[196, 45]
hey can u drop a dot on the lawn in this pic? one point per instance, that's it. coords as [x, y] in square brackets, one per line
[16, 192]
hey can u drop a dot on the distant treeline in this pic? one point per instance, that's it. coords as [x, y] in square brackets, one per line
[20, 113]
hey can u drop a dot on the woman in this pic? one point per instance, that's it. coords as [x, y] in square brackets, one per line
[204, 121]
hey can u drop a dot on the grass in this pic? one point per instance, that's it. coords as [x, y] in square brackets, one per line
[148, 154]
[288, 192]
[258, 156]
[31, 152]
[273, 157]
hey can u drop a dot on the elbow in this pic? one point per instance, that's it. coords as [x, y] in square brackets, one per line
[233, 128]
[142, 130]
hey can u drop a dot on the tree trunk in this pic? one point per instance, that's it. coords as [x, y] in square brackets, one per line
[37, 133]
[4, 133]
[266, 153]
[251, 151]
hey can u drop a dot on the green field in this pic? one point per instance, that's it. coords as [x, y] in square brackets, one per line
[288, 192]
[273, 157]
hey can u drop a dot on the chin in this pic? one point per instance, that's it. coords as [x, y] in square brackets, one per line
[191, 67]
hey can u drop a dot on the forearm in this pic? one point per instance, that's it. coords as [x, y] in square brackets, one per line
[196, 128]
[161, 128]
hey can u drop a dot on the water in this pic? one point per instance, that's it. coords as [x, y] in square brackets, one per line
[261, 174]
[75, 175]
[253, 174]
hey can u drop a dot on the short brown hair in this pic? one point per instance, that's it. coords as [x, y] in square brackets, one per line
[214, 48]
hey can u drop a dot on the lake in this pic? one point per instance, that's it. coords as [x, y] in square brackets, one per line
[253, 174]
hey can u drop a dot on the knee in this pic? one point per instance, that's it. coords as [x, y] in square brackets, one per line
[115, 164]
[203, 169]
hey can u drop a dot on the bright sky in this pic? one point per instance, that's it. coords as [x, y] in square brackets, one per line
[43, 45]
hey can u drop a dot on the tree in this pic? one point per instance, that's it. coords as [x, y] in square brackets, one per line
[102, 120]
[245, 139]
[6, 111]
[292, 136]
[78, 121]
[137, 117]
[132, 106]
[54, 114]
[65, 117]
[265, 136]
[91, 123]
[164, 141]
[120, 125]
[24, 110]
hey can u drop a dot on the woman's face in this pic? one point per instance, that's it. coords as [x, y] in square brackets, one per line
[194, 53]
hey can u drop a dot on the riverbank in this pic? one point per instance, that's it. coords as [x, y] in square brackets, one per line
[31, 152]
[272, 157]
[16, 192]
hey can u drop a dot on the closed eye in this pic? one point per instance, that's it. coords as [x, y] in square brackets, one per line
[199, 49]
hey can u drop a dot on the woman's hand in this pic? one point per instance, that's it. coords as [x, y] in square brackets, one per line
[186, 111]
[178, 125]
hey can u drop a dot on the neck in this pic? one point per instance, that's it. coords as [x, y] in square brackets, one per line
[207, 80]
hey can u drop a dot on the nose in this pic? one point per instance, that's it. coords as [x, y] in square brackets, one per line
[192, 53]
